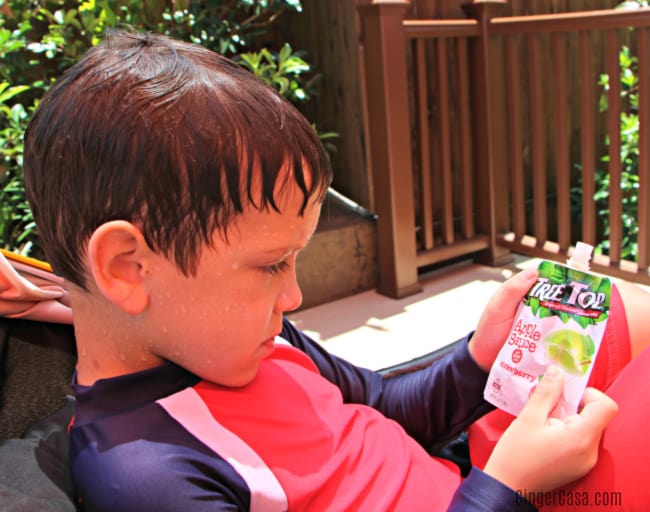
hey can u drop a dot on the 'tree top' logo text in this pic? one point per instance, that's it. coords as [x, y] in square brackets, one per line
[575, 293]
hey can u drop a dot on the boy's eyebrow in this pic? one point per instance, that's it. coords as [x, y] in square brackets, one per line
[288, 249]
[285, 251]
[280, 252]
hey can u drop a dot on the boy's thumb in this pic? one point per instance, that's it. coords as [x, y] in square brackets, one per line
[545, 396]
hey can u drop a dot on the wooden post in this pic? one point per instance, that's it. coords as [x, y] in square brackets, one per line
[388, 135]
[491, 150]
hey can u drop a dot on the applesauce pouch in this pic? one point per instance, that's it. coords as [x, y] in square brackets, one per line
[562, 321]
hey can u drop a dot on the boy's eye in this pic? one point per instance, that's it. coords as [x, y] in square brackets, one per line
[276, 268]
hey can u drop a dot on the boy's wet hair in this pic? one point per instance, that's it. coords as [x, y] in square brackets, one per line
[167, 135]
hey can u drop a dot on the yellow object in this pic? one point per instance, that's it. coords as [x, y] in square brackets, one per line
[33, 262]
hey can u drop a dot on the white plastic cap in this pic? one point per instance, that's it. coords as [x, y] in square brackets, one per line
[581, 256]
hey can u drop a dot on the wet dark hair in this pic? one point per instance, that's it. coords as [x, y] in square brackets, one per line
[165, 134]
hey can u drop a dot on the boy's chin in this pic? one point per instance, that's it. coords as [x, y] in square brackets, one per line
[242, 379]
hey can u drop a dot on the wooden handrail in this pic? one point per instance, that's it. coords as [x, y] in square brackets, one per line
[425, 29]
[541, 23]
[570, 21]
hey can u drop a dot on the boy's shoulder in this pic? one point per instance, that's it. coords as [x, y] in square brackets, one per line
[151, 437]
[152, 474]
[131, 444]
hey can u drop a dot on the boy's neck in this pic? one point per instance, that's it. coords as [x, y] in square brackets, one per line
[94, 364]
[108, 345]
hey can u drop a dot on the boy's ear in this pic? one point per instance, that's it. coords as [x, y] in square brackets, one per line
[119, 259]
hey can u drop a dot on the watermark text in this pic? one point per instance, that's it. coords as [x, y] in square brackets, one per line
[562, 498]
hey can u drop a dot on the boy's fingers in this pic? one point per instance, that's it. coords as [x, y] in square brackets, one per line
[598, 408]
[545, 396]
[520, 283]
[497, 317]
[514, 289]
[524, 279]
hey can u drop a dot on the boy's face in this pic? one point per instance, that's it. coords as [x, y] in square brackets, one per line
[221, 323]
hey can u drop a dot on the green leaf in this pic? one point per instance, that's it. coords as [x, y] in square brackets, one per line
[546, 313]
[583, 321]
[7, 93]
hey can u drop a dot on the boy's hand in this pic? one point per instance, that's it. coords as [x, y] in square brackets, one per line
[538, 453]
[496, 320]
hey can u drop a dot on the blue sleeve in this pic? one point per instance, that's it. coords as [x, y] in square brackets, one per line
[433, 405]
[140, 461]
[481, 492]
[167, 483]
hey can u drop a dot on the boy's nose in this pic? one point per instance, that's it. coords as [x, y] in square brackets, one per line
[290, 296]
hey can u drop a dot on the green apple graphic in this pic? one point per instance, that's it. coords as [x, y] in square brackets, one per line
[571, 350]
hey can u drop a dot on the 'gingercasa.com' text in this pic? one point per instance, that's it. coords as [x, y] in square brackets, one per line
[562, 498]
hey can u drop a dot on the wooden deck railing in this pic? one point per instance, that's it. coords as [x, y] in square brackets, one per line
[485, 136]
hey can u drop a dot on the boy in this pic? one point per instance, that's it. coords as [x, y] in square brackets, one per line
[173, 192]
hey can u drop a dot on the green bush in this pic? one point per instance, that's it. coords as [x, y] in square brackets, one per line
[39, 39]
[17, 227]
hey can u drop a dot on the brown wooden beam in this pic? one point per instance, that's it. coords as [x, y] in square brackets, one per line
[389, 138]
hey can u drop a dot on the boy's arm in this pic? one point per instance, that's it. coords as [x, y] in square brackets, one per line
[438, 402]
[557, 451]
[433, 404]
[480, 492]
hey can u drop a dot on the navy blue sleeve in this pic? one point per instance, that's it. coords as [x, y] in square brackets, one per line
[481, 492]
[139, 461]
[433, 405]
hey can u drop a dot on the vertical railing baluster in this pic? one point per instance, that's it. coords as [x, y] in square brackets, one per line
[644, 149]
[587, 137]
[614, 131]
[538, 141]
[513, 93]
[445, 142]
[467, 183]
[560, 109]
[422, 112]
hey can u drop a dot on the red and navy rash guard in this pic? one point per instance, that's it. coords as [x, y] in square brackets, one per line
[310, 433]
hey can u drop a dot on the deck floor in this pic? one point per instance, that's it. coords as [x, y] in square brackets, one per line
[376, 332]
